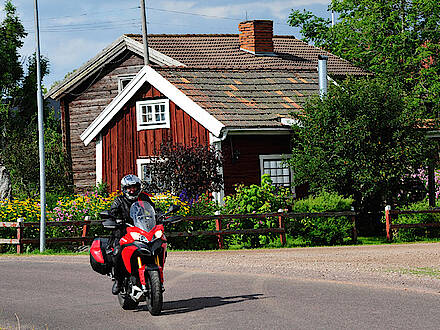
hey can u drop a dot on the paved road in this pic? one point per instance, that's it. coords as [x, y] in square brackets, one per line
[64, 293]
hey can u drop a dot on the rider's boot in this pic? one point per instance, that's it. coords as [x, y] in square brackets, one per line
[116, 287]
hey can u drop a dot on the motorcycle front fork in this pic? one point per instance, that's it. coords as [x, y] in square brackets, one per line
[142, 274]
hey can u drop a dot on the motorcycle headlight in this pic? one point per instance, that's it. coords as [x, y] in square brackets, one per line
[139, 237]
[158, 234]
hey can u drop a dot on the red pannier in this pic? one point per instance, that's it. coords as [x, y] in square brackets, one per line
[100, 261]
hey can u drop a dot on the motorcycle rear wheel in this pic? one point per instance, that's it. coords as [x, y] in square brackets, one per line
[155, 299]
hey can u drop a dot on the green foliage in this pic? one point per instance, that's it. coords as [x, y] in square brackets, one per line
[203, 206]
[416, 234]
[186, 170]
[399, 39]
[11, 39]
[322, 230]
[19, 151]
[361, 141]
[24, 171]
[264, 198]
[102, 189]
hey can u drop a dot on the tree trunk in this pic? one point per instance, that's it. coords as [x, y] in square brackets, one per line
[5, 184]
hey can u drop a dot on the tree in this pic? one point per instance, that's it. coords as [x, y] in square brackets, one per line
[360, 141]
[395, 38]
[11, 39]
[190, 171]
[18, 124]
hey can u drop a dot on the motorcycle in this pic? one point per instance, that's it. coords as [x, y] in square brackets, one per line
[144, 251]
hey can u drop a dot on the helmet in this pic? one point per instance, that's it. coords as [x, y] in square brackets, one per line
[130, 181]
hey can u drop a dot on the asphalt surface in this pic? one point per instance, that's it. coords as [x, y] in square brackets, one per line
[59, 292]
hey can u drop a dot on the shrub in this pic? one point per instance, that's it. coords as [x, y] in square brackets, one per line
[322, 230]
[264, 198]
[413, 234]
[202, 206]
[187, 170]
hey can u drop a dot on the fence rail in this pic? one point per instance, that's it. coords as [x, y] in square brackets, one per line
[394, 214]
[219, 232]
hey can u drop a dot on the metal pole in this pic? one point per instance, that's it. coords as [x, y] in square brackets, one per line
[144, 33]
[40, 138]
[322, 73]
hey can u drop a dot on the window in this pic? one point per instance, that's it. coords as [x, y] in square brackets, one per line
[277, 168]
[143, 171]
[123, 81]
[152, 114]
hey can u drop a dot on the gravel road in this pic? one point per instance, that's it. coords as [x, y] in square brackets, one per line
[405, 266]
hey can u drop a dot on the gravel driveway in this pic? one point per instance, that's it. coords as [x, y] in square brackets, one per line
[405, 266]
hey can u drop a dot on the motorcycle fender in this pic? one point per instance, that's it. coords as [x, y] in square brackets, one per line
[127, 252]
[155, 267]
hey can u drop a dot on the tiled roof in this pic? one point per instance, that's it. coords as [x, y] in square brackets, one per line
[224, 51]
[245, 98]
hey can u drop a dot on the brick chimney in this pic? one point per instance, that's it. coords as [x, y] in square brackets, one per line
[256, 37]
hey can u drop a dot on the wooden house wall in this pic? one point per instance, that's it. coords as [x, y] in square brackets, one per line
[82, 106]
[123, 144]
[241, 157]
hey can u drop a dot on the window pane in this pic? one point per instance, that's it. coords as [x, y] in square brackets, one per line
[157, 117]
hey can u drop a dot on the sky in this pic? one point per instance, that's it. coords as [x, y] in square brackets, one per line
[72, 32]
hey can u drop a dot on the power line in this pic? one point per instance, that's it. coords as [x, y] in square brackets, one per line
[106, 25]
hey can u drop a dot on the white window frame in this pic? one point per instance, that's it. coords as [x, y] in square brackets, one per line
[140, 162]
[283, 157]
[141, 125]
[143, 161]
[122, 78]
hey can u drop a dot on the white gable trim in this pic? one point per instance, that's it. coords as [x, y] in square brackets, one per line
[108, 54]
[147, 74]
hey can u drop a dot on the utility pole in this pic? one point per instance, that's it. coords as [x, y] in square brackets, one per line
[144, 33]
[40, 138]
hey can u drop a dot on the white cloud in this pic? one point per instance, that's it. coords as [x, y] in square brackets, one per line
[255, 9]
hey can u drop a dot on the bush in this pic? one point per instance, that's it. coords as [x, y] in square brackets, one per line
[264, 198]
[190, 171]
[202, 206]
[414, 234]
[322, 230]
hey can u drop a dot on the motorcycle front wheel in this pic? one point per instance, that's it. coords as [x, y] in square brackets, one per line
[155, 298]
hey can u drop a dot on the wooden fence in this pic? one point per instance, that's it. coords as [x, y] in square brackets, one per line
[394, 214]
[219, 232]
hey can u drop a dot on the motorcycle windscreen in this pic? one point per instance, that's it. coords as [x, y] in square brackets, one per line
[143, 215]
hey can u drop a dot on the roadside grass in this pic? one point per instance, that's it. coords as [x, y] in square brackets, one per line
[420, 271]
[290, 243]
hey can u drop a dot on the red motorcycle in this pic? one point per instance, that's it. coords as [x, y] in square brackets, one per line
[144, 250]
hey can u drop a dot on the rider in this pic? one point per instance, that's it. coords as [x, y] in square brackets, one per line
[120, 210]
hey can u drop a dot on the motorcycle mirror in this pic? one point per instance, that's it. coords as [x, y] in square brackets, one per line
[105, 215]
[174, 218]
[110, 224]
[174, 208]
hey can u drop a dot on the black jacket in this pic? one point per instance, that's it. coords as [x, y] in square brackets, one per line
[120, 208]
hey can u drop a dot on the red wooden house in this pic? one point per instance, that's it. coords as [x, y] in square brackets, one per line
[235, 92]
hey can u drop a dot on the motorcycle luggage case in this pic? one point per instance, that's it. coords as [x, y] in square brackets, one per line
[100, 261]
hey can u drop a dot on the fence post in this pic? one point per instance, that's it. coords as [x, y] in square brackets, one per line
[281, 225]
[218, 226]
[20, 235]
[353, 220]
[388, 223]
[85, 230]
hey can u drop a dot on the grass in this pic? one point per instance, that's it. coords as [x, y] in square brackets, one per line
[291, 243]
[424, 271]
